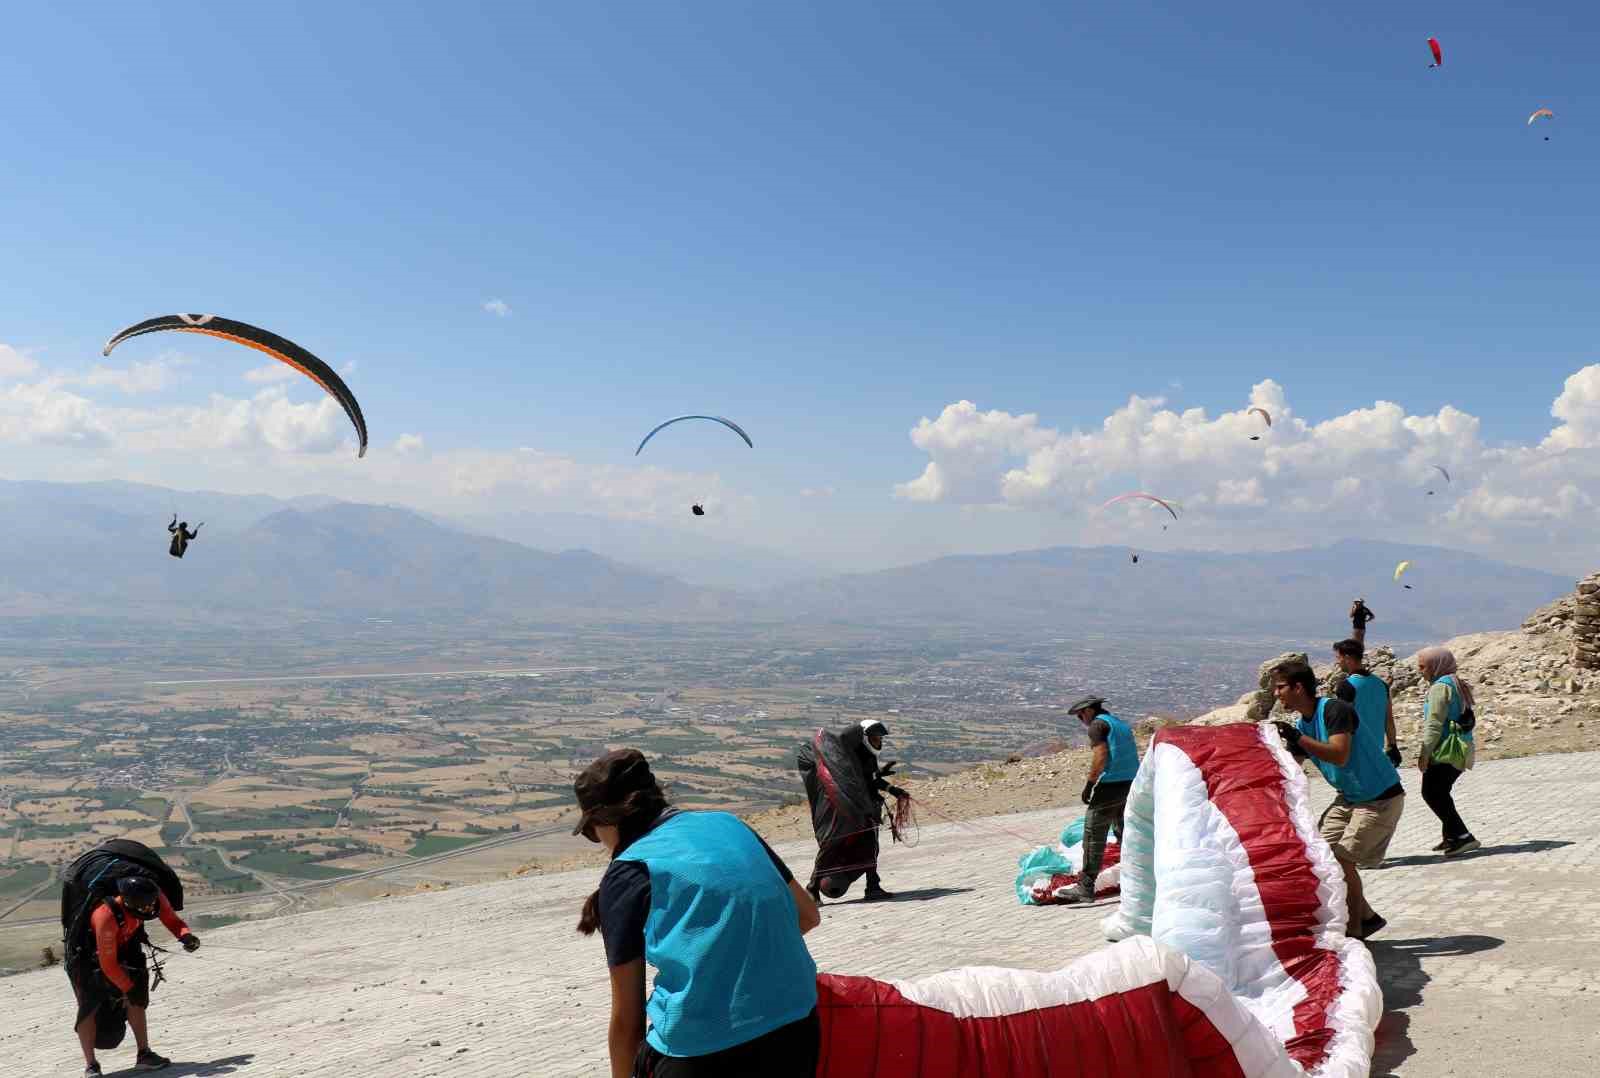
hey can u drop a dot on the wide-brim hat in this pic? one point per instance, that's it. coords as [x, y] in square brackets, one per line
[608, 781]
[1087, 701]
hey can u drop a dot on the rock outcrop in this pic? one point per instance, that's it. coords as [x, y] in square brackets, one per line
[1586, 623]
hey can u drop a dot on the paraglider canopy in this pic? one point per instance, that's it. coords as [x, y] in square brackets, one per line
[279, 348]
[730, 424]
[1541, 114]
[1264, 414]
[1141, 495]
[1438, 53]
[1400, 571]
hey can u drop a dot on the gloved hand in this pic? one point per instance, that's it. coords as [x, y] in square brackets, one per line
[898, 792]
[1393, 753]
[888, 768]
[191, 942]
[1290, 734]
[1088, 791]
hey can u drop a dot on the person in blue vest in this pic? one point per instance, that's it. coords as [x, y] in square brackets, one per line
[1369, 798]
[700, 897]
[1369, 695]
[1111, 772]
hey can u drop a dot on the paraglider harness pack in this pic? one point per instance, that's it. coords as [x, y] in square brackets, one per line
[89, 881]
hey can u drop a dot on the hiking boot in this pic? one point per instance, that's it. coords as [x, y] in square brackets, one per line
[1076, 897]
[148, 1060]
[878, 894]
[1444, 844]
[92, 1071]
[1460, 846]
[1371, 926]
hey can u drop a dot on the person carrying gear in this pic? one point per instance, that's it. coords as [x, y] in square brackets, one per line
[182, 536]
[113, 972]
[1111, 772]
[845, 783]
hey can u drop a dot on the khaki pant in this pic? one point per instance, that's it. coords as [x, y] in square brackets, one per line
[1360, 833]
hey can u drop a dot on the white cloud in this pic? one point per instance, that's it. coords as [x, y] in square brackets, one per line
[1363, 473]
[13, 364]
[817, 492]
[497, 307]
[270, 373]
[146, 376]
[47, 414]
[409, 443]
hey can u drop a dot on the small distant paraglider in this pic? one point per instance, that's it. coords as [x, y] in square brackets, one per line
[1400, 571]
[1438, 53]
[1541, 114]
[1440, 468]
[697, 510]
[1134, 557]
[1264, 414]
[1144, 496]
[730, 424]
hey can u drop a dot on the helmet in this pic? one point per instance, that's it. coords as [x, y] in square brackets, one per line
[140, 895]
[870, 727]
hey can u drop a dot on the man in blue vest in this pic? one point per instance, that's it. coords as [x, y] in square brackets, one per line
[1111, 772]
[1366, 811]
[1369, 695]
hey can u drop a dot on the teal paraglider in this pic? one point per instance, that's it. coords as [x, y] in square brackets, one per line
[730, 424]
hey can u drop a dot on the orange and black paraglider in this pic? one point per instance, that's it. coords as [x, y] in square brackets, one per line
[1264, 414]
[279, 348]
[1438, 53]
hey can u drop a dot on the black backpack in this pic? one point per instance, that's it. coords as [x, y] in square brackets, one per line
[93, 877]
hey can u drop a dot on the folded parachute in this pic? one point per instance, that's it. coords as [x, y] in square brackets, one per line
[1232, 958]
[279, 348]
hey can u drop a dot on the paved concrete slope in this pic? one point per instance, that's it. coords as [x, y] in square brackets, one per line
[1489, 963]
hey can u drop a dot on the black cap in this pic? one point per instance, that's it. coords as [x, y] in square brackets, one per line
[1087, 701]
[608, 780]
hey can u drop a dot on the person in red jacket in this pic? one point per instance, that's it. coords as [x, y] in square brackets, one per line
[120, 971]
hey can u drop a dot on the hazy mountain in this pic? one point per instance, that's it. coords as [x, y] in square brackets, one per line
[1098, 589]
[694, 555]
[99, 547]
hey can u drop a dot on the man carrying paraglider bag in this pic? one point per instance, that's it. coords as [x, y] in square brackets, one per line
[845, 783]
[107, 895]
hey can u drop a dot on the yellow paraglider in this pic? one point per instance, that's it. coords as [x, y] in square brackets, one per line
[1399, 571]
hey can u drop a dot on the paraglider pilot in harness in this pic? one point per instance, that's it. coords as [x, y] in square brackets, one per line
[107, 967]
[1116, 761]
[845, 782]
[182, 536]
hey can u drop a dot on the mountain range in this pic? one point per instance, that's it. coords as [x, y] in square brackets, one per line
[89, 548]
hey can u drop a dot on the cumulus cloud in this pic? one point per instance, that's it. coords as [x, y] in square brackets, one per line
[1304, 480]
[497, 307]
[13, 364]
[148, 376]
[270, 373]
[409, 443]
[817, 492]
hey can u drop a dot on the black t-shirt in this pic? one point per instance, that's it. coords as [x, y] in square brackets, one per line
[625, 900]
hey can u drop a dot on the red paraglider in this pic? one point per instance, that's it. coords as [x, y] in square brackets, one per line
[1438, 53]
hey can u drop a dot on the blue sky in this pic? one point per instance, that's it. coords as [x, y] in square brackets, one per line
[827, 220]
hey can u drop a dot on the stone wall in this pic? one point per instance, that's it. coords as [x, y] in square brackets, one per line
[1586, 624]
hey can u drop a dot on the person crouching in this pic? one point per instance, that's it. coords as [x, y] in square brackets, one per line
[700, 897]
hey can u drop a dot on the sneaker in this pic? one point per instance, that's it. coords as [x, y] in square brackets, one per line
[1444, 844]
[148, 1060]
[1372, 926]
[1461, 846]
[92, 1071]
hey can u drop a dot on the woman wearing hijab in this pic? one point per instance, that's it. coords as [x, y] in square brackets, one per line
[1449, 696]
[699, 896]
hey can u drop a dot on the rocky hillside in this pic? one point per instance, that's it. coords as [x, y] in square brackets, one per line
[1532, 696]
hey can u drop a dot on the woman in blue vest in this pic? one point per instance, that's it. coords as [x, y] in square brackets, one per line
[699, 896]
[1111, 772]
[1448, 697]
